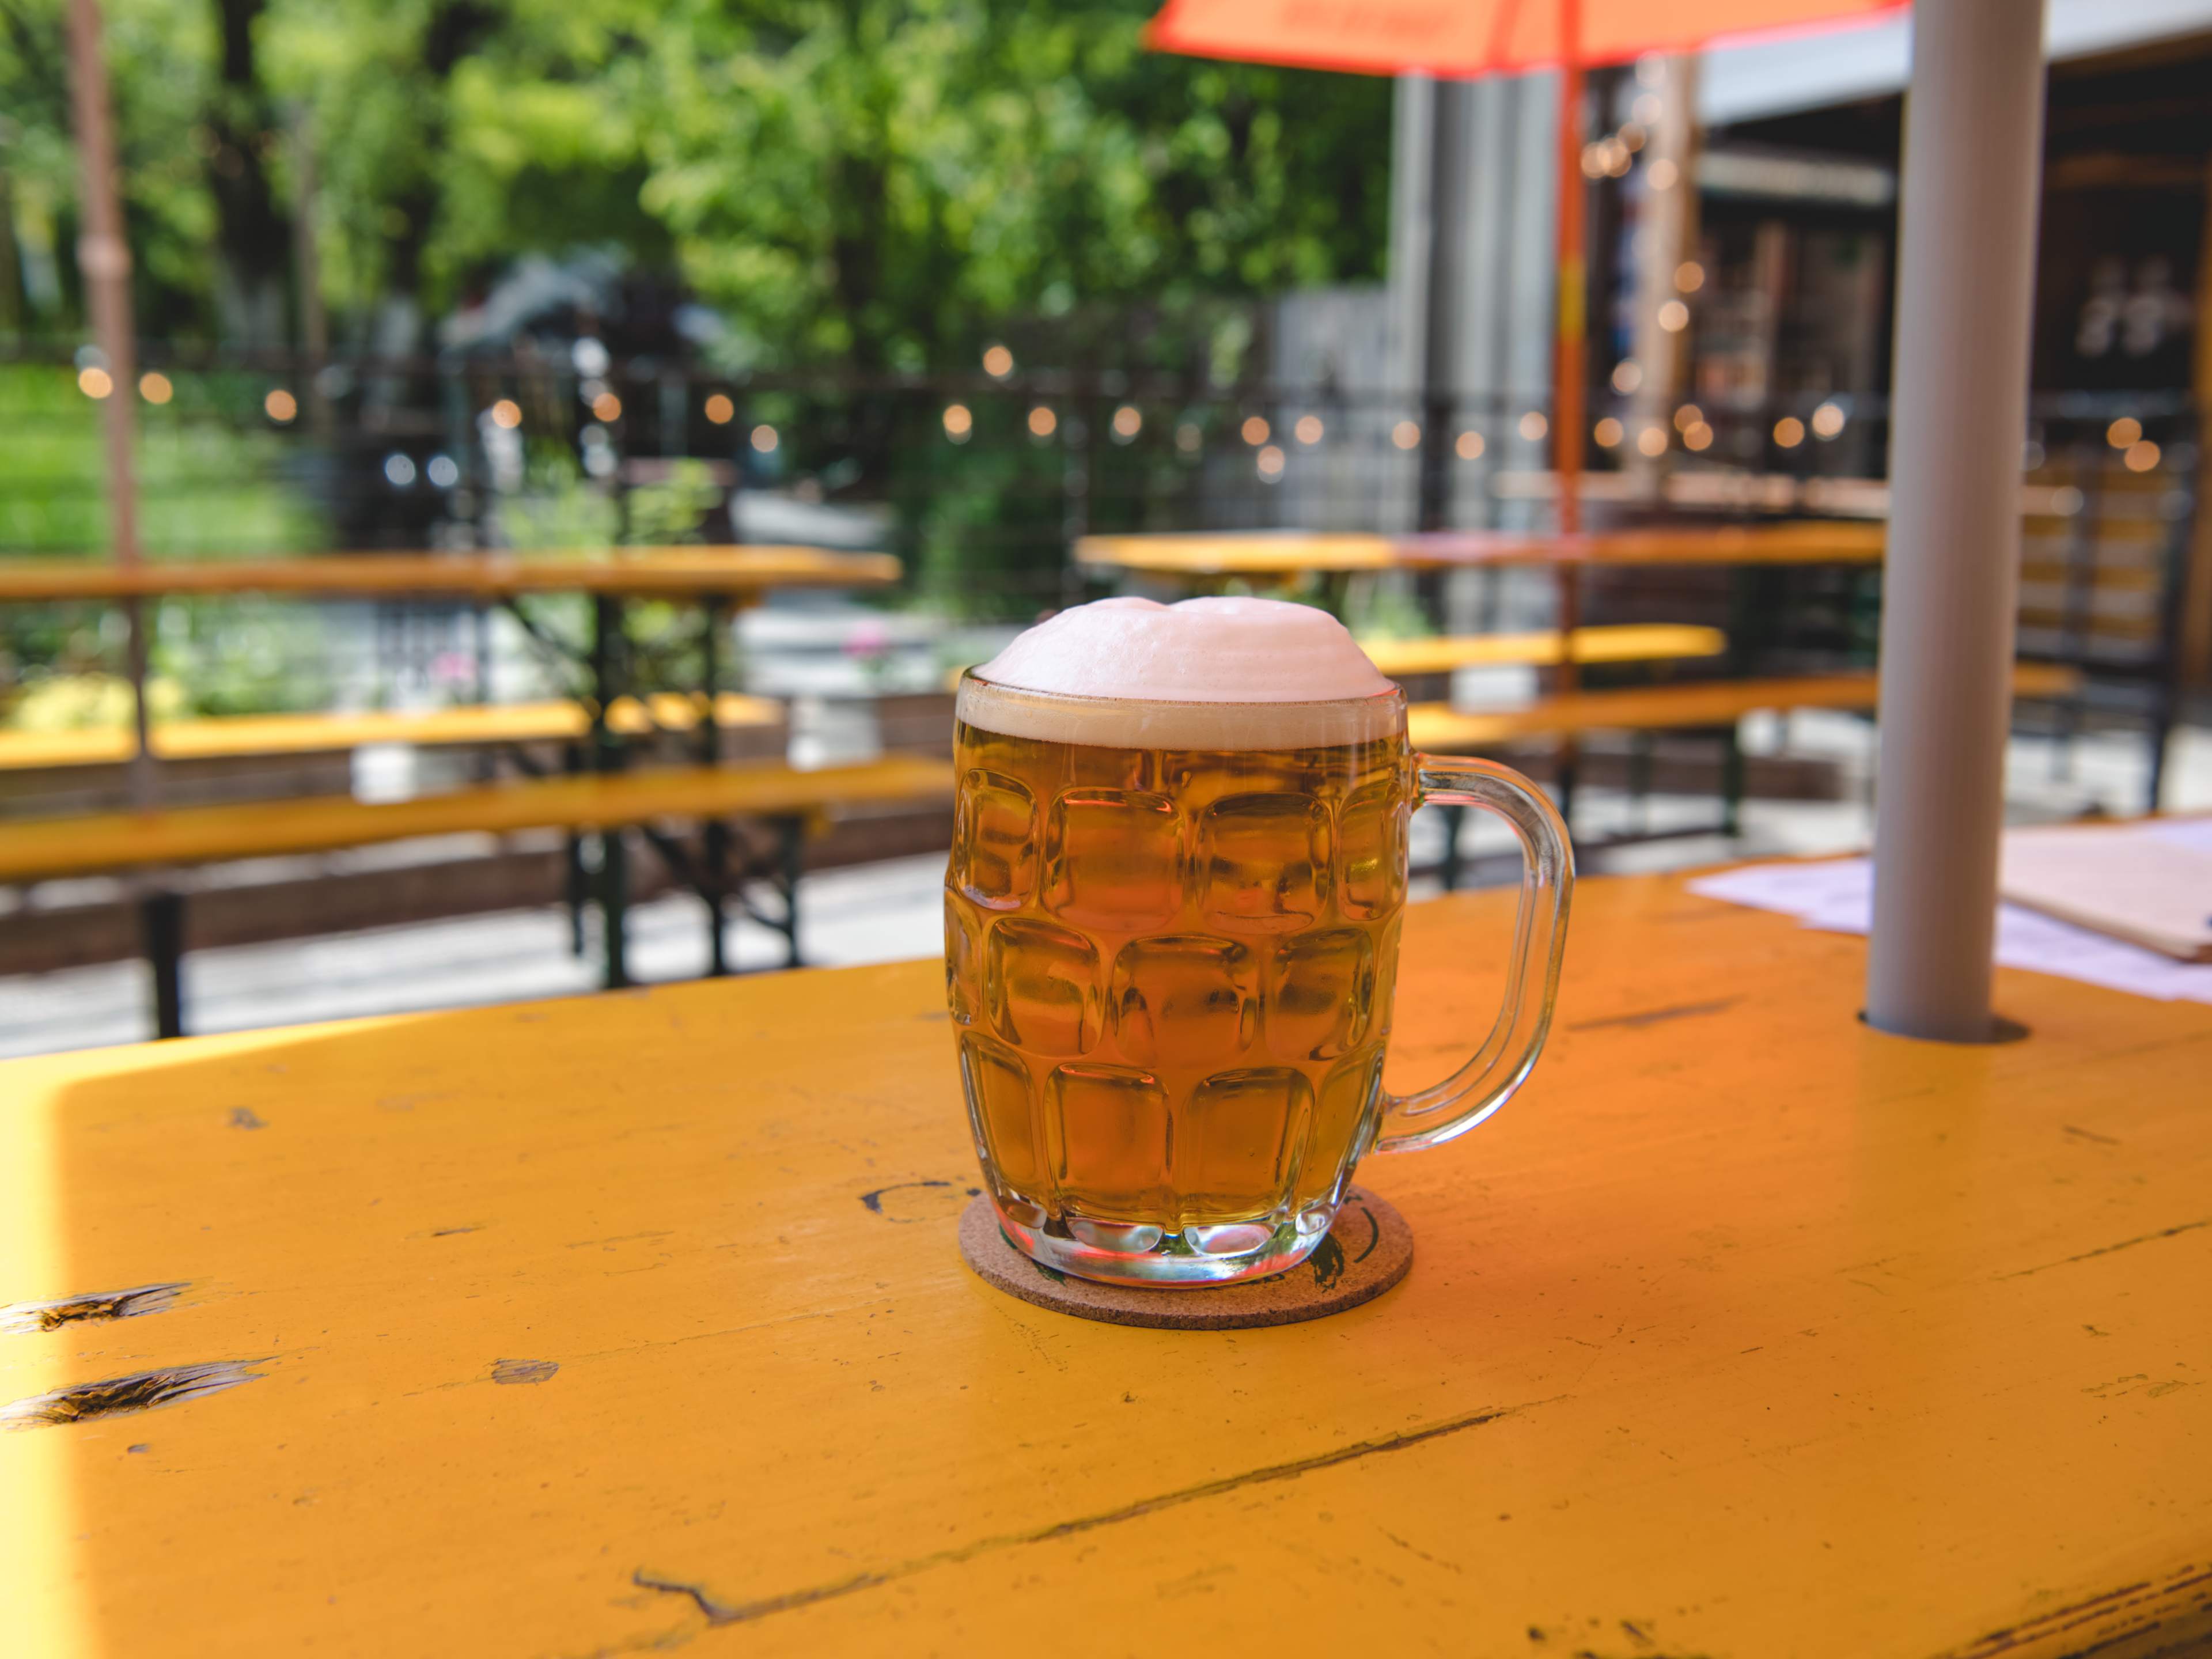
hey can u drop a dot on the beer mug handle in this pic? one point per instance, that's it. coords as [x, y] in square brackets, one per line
[1487, 1081]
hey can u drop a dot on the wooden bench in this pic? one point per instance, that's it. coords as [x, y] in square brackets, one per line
[1623, 642]
[607, 803]
[244, 736]
[1438, 728]
[1545, 649]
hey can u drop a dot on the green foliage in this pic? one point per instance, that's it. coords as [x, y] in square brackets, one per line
[877, 182]
[209, 480]
[208, 484]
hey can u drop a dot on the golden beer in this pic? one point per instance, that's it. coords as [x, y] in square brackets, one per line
[1171, 970]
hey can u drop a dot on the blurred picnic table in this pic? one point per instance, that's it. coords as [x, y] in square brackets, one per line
[599, 1326]
[631, 572]
[1283, 554]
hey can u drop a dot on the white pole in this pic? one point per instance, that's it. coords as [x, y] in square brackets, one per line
[1973, 138]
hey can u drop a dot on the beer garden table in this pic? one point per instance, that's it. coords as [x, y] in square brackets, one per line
[1285, 554]
[638, 1323]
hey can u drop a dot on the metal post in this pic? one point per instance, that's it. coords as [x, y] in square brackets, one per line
[1965, 274]
[161, 916]
[715, 837]
[610, 680]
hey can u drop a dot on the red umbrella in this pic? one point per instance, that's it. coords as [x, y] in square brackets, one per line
[1459, 38]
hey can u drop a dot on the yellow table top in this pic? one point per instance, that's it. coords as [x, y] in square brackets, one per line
[1289, 553]
[665, 571]
[586, 1327]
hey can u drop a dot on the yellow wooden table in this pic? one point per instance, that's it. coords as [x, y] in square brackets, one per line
[1283, 554]
[636, 1324]
[630, 573]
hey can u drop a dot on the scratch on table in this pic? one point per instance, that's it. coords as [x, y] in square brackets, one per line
[2091, 1134]
[99, 1304]
[720, 1610]
[244, 1117]
[1637, 1022]
[2179, 1609]
[119, 1396]
[2106, 1249]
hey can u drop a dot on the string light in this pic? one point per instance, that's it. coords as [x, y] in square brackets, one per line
[1790, 432]
[1043, 422]
[1627, 376]
[1271, 463]
[1608, 433]
[1469, 446]
[94, 382]
[607, 407]
[1255, 431]
[281, 405]
[1188, 437]
[2142, 456]
[998, 361]
[1697, 436]
[1533, 426]
[1828, 419]
[1129, 422]
[720, 410]
[959, 424]
[1662, 174]
[1673, 316]
[1308, 429]
[155, 387]
[1652, 440]
[1406, 435]
[765, 439]
[1689, 277]
[2121, 433]
[1687, 416]
[507, 414]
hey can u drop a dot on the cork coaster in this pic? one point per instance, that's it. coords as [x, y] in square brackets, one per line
[1367, 1251]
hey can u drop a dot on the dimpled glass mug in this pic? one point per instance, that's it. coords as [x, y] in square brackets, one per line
[1171, 942]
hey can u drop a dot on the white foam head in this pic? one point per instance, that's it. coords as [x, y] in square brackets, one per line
[1209, 673]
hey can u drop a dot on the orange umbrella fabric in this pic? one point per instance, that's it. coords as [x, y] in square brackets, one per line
[1472, 37]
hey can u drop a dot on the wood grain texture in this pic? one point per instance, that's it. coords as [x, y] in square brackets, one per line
[235, 736]
[36, 848]
[666, 572]
[636, 1324]
[1438, 726]
[1290, 553]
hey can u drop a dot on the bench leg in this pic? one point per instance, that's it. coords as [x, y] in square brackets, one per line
[714, 889]
[1732, 783]
[1448, 869]
[1640, 747]
[790, 846]
[614, 906]
[163, 917]
[577, 889]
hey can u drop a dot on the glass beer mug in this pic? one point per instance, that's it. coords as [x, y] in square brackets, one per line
[1171, 947]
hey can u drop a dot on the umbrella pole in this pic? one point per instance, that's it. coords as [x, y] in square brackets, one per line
[1965, 277]
[104, 255]
[1570, 348]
